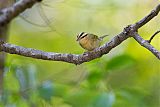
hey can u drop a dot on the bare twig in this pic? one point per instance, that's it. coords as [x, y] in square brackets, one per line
[129, 31]
[145, 44]
[149, 41]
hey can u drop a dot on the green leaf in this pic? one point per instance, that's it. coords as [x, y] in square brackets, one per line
[94, 77]
[46, 90]
[104, 100]
[82, 98]
[60, 90]
[120, 62]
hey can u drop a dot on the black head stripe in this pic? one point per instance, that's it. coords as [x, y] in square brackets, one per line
[85, 34]
[81, 34]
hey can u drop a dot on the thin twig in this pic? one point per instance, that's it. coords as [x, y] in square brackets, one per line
[145, 44]
[149, 41]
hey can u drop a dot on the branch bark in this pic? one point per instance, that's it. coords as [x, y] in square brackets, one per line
[129, 31]
[146, 44]
[7, 14]
[3, 36]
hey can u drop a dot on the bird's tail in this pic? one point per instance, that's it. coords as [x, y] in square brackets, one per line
[101, 38]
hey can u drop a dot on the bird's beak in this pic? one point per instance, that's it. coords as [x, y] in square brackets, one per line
[77, 39]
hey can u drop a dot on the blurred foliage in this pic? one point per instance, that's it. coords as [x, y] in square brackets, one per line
[126, 77]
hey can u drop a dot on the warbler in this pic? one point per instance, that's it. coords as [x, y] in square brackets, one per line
[89, 41]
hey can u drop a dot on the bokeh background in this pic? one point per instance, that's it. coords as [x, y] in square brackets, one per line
[129, 76]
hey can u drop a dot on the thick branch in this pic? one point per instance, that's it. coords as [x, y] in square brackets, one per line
[7, 14]
[71, 58]
[129, 31]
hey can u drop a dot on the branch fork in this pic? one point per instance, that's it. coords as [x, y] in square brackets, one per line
[129, 31]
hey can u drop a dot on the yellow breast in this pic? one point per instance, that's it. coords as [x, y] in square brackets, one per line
[89, 44]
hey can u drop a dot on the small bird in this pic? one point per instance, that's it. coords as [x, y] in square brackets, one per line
[89, 41]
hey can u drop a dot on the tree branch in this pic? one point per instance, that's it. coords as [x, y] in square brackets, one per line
[146, 44]
[129, 31]
[7, 14]
[150, 16]
[70, 58]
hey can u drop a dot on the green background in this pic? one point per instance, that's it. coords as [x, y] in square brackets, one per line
[126, 77]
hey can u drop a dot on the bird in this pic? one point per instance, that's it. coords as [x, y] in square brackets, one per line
[89, 41]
